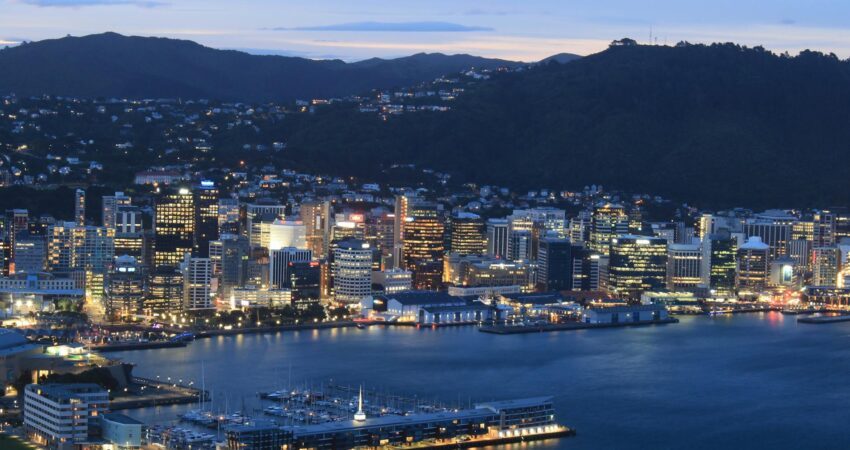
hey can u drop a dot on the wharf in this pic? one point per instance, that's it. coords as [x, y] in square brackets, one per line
[127, 346]
[824, 319]
[273, 329]
[147, 392]
[486, 441]
[520, 329]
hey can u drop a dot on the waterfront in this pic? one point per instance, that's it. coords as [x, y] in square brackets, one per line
[752, 380]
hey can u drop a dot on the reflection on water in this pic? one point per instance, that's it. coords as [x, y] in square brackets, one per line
[743, 381]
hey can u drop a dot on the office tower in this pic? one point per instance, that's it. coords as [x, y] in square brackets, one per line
[125, 289]
[60, 246]
[684, 266]
[80, 207]
[392, 281]
[519, 239]
[719, 261]
[257, 213]
[753, 265]
[110, 206]
[637, 264]
[551, 219]
[287, 233]
[467, 234]
[585, 272]
[316, 216]
[497, 238]
[554, 265]
[174, 227]
[824, 227]
[711, 224]
[197, 274]
[30, 254]
[636, 220]
[305, 279]
[423, 246]
[206, 217]
[129, 234]
[580, 226]
[93, 248]
[165, 291]
[63, 415]
[800, 250]
[607, 222]
[16, 222]
[229, 216]
[379, 233]
[773, 228]
[783, 272]
[279, 260]
[826, 266]
[352, 271]
[229, 255]
[402, 204]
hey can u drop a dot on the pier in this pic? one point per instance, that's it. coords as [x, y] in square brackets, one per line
[568, 326]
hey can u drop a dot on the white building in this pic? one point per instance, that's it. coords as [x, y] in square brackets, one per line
[393, 280]
[352, 271]
[248, 297]
[125, 433]
[197, 275]
[289, 233]
[279, 260]
[59, 415]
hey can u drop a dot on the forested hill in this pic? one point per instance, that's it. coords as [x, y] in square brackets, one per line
[112, 65]
[716, 125]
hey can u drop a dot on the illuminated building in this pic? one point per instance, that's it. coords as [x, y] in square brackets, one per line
[305, 282]
[554, 265]
[497, 238]
[174, 227]
[80, 207]
[129, 234]
[711, 224]
[823, 229]
[423, 246]
[30, 254]
[316, 217]
[229, 255]
[551, 219]
[256, 213]
[585, 274]
[773, 228]
[478, 271]
[607, 222]
[229, 216]
[110, 206]
[63, 415]
[206, 217]
[800, 250]
[684, 266]
[279, 260]
[783, 272]
[753, 265]
[826, 266]
[402, 204]
[637, 264]
[253, 297]
[16, 221]
[197, 274]
[93, 248]
[580, 226]
[288, 233]
[352, 271]
[348, 229]
[467, 234]
[165, 291]
[60, 244]
[125, 289]
[719, 260]
[379, 234]
[393, 281]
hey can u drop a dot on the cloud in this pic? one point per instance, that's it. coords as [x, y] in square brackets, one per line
[80, 3]
[402, 27]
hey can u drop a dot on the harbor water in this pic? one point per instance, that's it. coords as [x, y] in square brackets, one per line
[745, 381]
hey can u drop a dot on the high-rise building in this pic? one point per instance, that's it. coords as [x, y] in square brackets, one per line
[110, 206]
[174, 227]
[719, 261]
[585, 274]
[826, 266]
[125, 289]
[30, 254]
[423, 246]
[257, 213]
[824, 227]
[580, 227]
[279, 260]
[129, 234]
[288, 233]
[316, 216]
[229, 255]
[684, 266]
[229, 216]
[554, 265]
[60, 246]
[379, 234]
[80, 207]
[352, 271]
[637, 264]
[93, 248]
[497, 238]
[305, 279]
[402, 205]
[753, 265]
[16, 222]
[607, 222]
[165, 291]
[197, 275]
[467, 234]
[206, 217]
[773, 228]
[63, 415]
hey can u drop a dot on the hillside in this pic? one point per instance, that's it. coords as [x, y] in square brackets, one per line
[717, 125]
[112, 65]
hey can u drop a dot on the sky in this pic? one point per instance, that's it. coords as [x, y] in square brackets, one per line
[526, 30]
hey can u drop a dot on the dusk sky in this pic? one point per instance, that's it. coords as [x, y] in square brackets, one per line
[521, 30]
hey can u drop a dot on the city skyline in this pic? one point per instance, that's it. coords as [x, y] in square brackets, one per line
[503, 29]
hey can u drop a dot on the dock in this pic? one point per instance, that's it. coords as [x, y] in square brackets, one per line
[824, 319]
[569, 326]
[127, 346]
